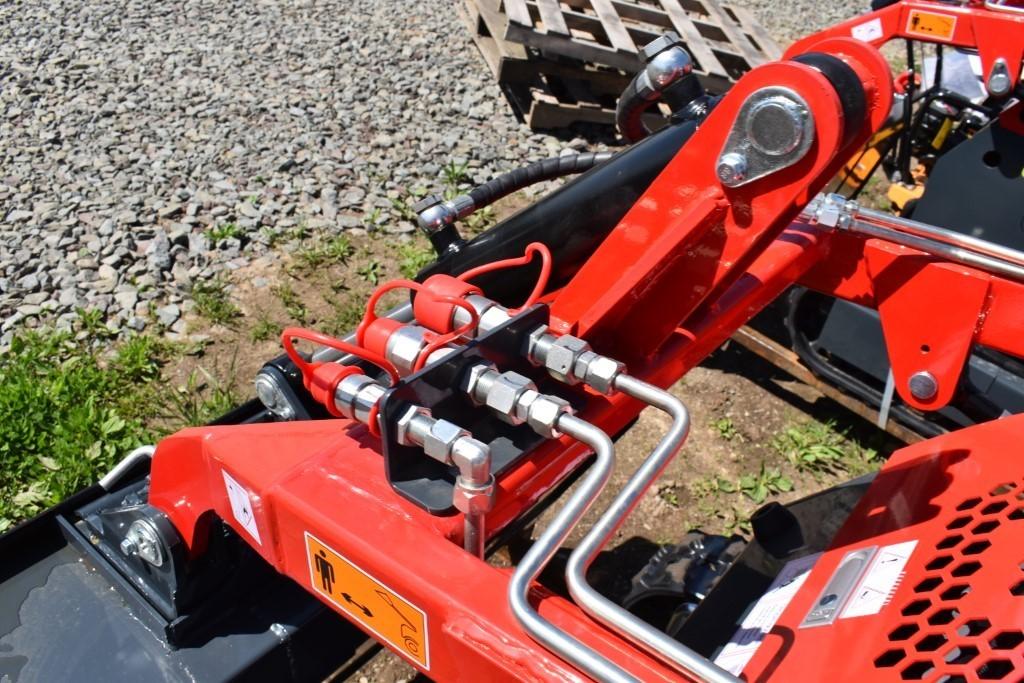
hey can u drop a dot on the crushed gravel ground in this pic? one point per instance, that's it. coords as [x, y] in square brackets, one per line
[146, 146]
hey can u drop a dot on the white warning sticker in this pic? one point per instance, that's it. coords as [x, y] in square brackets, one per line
[868, 31]
[241, 506]
[762, 616]
[880, 581]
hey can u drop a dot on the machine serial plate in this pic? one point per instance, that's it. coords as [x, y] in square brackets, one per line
[368, 602]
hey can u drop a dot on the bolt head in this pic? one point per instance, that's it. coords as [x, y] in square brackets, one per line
[128, 547]
[776, 125]
[999, 82]
[923, 385]
[142, 534]
[402, 425]
[731, 169]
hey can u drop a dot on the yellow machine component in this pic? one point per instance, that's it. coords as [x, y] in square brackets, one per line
[857, 170]
[900, 194]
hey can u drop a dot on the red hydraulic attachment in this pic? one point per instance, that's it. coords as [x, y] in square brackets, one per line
[711, 242]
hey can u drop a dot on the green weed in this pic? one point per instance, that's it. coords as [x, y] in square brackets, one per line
[325, 251]
[371, 272]
[757, 487]
[68, 412]
[213, 303]
[224, 231]
[726, 429]
[264, 329]
[413, 258]
[292, 303]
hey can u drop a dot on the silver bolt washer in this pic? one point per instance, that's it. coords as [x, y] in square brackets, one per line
[999, 81]
[732, 169]
[923, 385]
[146, 541]
[775, 125]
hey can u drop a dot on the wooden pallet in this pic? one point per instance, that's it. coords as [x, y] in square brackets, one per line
[546, 93]
[551, 89]
[724, 41]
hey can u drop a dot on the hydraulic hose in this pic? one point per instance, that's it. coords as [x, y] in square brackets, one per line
[437, 217]
[561, 643]
[538, 171]
[656, 642]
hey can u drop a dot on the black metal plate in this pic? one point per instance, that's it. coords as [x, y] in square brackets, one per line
[429, 483]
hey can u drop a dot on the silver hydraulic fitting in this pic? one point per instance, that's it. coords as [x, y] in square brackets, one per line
[666, 61]
[490, 313]
[570, 360]
[356, 396]
[509, 396]
[434, 213]
[514, 399]
[474, 486]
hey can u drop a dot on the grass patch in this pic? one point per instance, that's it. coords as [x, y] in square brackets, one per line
[224, 231]
[819, 447]
[292, 303]
[322, 251]
[213, 303]
[69, 412]
[72, 404]
[264, 329]
[413, 257]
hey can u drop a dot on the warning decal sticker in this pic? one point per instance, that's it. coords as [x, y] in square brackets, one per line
[931, 25]
[241, 506]
[880, 581]
[383, 612]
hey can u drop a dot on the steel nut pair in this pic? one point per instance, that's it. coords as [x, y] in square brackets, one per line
[562, 356]
[471, 500]
[509, 395]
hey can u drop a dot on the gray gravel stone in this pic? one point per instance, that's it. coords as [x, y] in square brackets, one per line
[128, 130]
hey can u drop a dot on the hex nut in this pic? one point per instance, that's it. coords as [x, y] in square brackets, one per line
[561, 358]
[544, 414]
[471, 500]
[504, 393]
[438, 442]
[471, 384]
[601, 373]
[534, 342]
[402, 425]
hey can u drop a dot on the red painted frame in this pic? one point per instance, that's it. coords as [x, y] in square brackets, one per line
[694, 252]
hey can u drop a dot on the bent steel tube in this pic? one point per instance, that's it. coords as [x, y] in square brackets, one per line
[657, 643]
[539, 628]
[110, 479]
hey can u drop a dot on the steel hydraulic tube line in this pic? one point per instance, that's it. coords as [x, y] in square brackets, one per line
[544, 548]
[931, 239]
[655, 642]
[111, 478]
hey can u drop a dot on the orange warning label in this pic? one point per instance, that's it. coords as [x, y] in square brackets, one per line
[385, 613]
[931, 25]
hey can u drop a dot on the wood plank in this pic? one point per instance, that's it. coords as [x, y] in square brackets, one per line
[748, 23]
[695, 44]
[789, 362]
[551, 16]
[736, 36]
[517, 13]
[586, 51]
[613, 27]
